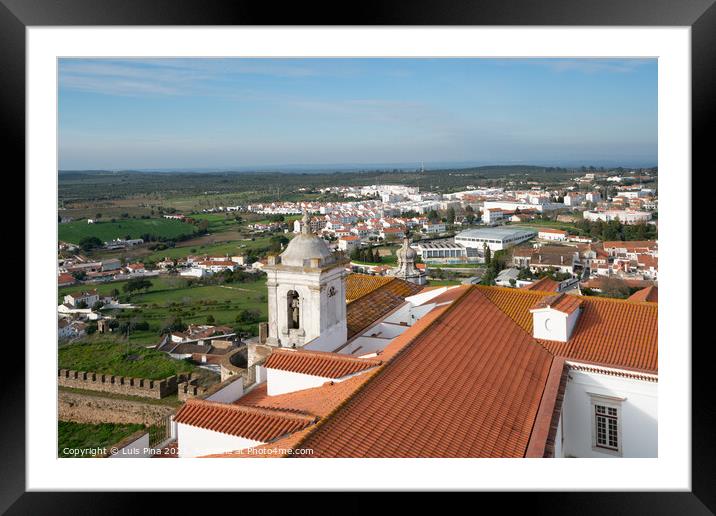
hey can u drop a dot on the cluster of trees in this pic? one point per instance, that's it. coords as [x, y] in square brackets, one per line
[90, 242]
[227, 276]
[494, 263]
[136, 284]
[250, 316]
[611, 287]
[615, 230]
[173, 324]
[277, 242]
[366, 254]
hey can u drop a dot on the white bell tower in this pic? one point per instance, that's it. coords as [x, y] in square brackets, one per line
[306, 294]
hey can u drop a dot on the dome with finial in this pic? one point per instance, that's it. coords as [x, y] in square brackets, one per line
[406, 253]
[406, 269]
[306, 246]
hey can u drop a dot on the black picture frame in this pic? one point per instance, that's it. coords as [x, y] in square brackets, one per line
[700, 15]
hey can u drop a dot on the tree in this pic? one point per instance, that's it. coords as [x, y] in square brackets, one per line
[137, 284]
[276, 243]
[210, 319]
[90, 242]
[433, 216]
[91, 327]
[488, 253]
[450, 216]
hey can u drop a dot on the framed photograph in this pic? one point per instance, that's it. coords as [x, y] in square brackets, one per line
[422, 246]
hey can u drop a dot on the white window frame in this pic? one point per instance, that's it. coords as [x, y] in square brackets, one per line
[608, 402]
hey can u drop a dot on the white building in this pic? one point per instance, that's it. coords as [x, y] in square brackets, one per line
[88, 297]
[306, 294]
[573, 199]
[495, 238]
[552, 235]
[623, 216]
[594, 197]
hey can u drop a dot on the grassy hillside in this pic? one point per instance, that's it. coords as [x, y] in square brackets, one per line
[115, 357]
[134, 228]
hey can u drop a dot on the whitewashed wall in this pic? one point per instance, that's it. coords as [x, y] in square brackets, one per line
[197, 442]
[229, 393]
[639, 427]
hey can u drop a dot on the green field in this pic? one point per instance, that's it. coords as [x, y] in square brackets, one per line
[158, 283]
[112, 356]
[82, 436]
[73, 232]
[238, 247]
[189, 300]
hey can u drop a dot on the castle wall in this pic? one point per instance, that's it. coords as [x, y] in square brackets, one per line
[94, 409]
[117, 384]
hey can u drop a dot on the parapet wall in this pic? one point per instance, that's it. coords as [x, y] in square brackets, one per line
[118, 384]
[187, 390]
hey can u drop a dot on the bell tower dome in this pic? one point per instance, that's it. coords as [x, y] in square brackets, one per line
[306, 294]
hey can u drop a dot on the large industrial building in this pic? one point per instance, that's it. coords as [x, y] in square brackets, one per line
[445, 251]
[495, 238]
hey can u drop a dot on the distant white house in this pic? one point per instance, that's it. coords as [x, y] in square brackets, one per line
[552, 234]
[89, 297]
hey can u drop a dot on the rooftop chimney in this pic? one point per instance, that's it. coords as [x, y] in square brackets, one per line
[554, 317]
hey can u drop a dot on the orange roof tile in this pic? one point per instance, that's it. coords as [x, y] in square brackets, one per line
[508, 381]
[560, 302]
[650, 294]
[319, 401]
[373, 306]
[545, 284]
[634, 283]
[258, 424]
[358, 285]
[318, 363]
[613, 332]
[473, 349]
[631, 244]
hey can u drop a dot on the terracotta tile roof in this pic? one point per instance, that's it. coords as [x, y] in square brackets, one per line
[371, 307]
[318, 363]
[319, 401]
[613, 332]
[358, 285]
[63, 278]
[508, 381]
[650, 294]
[258, 424]
[83, 293]
[634, 283]
[545, 284]
[631, 245]
[472, 349]
[560, 302]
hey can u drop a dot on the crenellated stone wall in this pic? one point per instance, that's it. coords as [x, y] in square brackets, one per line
[118, 384]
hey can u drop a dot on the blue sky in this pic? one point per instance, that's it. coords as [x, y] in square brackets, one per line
[203, 113]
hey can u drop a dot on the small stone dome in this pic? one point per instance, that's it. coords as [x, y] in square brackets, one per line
[306, 246]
